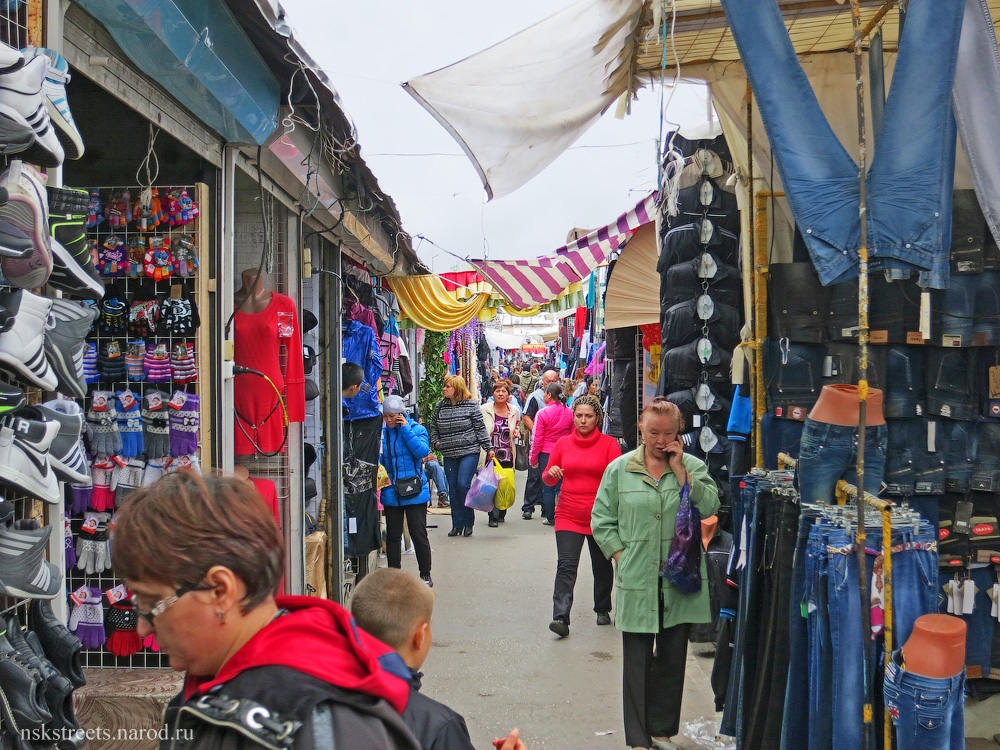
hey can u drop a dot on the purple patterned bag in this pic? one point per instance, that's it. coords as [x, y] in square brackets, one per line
[682, 567]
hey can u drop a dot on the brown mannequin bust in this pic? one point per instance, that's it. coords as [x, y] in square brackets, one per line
[936, 647]
[838, 404]
[252, 297]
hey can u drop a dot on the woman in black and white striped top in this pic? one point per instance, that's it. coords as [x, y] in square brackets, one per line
[458, 432]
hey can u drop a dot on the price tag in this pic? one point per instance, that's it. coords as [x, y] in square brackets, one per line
[932, 437]
[879, 337]
[178, 400]
[80, 595]
[127, 399]
[99, 402]
[117, 593]
[995, 381]
[352, 525]
[286, 325]
[952, 341]
[154, 400]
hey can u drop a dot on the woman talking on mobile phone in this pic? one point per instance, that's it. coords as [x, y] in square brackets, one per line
[633, 523]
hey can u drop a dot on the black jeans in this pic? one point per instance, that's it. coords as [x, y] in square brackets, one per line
[532, 490]
[653, 683]
[416, 520]
[569, 546]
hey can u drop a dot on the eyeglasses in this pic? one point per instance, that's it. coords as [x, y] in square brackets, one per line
[166, 603]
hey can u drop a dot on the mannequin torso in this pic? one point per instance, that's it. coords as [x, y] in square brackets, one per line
[838, 404]
[936, 647]
[252, 297]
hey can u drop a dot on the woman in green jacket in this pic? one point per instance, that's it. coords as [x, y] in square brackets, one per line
[633, 523]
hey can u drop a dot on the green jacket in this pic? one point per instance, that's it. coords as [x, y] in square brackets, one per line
[633, 515]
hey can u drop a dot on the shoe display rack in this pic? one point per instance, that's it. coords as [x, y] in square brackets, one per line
[143, 370]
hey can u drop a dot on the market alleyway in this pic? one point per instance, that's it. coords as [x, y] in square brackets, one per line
[494, 659]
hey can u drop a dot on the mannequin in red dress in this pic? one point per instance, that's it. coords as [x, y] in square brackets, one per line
[267, 339]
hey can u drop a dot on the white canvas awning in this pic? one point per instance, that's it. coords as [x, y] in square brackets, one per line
[633, 296]
[516, 106]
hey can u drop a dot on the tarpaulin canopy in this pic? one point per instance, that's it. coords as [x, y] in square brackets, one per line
[501, 340]
[515, 107]
[633, 295]
[525, 283]
[423, 300]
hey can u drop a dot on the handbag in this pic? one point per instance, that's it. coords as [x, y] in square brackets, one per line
[407, 488]
[682, 568]
[521, 451]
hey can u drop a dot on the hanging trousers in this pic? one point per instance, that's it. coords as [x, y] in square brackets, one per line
[653, 683]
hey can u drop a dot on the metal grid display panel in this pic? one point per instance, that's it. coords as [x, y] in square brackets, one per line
[125, 287]
[261, 225]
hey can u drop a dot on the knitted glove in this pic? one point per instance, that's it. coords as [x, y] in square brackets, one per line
[92, 546]
[102, 498]
[94, 213]
[90, 373]
[129, 425]
[184, 424]
[79, 498]
[150, 642]
[154, 470]
[135, 358]
[158, 263]
[124, 640]
[157, 364]
[111, 362]
[180, 317]
[87, 620]
[143, 317]
[70, 551]
[114, 317]
[182, 364]
[126, 479]
[155, 420]
[103, 418]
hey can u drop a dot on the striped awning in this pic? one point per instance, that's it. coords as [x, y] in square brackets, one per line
[537, 281]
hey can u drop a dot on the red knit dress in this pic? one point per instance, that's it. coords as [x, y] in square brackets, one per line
[583, 461]
[259, 346]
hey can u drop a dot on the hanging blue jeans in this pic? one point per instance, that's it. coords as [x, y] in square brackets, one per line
[909, 184]
[928, 712]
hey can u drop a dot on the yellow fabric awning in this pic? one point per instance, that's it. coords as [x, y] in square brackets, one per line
[424, 301]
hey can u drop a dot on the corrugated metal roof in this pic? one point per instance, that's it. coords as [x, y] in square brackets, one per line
[702, 36]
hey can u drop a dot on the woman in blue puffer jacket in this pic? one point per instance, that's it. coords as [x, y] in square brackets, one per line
[404, 445]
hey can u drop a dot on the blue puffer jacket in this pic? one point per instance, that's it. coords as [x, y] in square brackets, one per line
[403, 451]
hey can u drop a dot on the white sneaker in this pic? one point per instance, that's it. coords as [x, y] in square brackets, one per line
[21, 91]
[54, 88]
[22, 348]
[66, 454]
[24, 453]
[27, 209]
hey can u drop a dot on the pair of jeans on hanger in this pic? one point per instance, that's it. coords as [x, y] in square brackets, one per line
[909, 183]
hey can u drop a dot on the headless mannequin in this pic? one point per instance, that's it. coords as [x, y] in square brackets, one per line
[252, 297]
[838, 404]
[936, 647]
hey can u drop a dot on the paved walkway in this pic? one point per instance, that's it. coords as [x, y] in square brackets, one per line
[494, 659]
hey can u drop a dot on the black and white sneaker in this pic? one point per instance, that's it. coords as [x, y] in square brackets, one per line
[66, 454]
[72, 278]
[24, 571]
[27, 209]
[73, 268]
[22, 348]
[65, 331]
[25, 439]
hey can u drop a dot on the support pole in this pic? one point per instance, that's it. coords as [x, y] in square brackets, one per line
[761, 272]
[867, 710]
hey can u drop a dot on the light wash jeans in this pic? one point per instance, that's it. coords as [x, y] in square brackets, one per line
[909, 184]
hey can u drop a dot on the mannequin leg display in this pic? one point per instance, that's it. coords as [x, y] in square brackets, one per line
[924, 685]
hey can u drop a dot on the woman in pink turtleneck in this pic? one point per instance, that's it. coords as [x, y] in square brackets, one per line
[554, 421]
[579, 461]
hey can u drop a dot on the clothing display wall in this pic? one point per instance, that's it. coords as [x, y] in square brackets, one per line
[141, 369]
[701, 301]
[941, 402]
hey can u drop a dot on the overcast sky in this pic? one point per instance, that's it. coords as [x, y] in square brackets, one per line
[368, 47]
